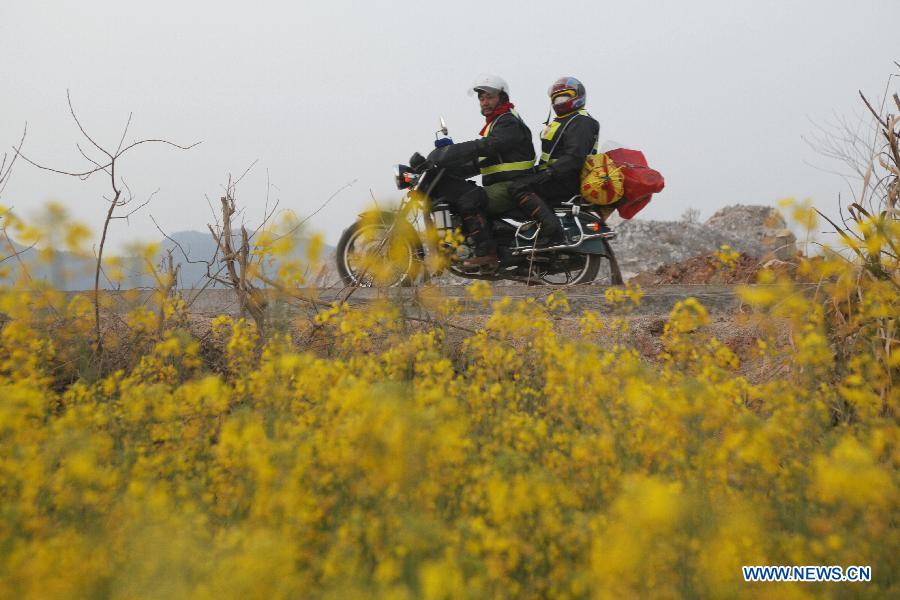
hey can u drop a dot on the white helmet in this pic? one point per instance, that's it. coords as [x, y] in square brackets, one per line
[489, 83]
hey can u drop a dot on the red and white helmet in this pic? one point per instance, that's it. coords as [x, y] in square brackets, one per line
[566, 95]
[489, 83]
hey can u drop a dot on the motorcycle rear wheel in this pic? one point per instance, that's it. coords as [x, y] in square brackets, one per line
[593, 268]
[582, 273]
[608, 272]
[379, 252]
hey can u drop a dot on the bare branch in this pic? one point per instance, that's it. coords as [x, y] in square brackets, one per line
[110, 164]
[5, 169]
[91, 160]
[177, 244]
[82, 174]
[16, 253]
[83, 132]
[157, 141]
[266, 217]
[127, 189]
[139, 207]
[99, 338]
[124, 132]
[840, 231]
[210, 279]
[874, 112]
[233, 184]
[315, 212]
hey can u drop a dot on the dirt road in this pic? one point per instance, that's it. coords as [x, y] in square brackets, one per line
[657, 300]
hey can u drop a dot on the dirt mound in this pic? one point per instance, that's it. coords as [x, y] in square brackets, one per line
[706, 268]
[754, 230]
[644, 245]
[762, 230]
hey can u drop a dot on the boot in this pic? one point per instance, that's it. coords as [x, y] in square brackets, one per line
[486, 260]
[551, 229]
[477, 227]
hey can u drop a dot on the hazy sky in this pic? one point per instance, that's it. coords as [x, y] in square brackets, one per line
[717, 94]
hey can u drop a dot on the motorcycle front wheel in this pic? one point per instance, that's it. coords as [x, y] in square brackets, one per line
[379, 251]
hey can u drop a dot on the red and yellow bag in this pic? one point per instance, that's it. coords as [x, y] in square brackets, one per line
[601, 181]
[621, 179]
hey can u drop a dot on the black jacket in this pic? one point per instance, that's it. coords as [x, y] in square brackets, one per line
[505, 153]
[565, 143]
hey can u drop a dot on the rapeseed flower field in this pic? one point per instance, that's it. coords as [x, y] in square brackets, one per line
[389, 463]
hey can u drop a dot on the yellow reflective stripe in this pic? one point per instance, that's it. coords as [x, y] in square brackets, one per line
[550, 131]
[544, 165]
[546, 160]
[502, 167]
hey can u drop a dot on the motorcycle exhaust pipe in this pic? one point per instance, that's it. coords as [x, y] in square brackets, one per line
[524, 251]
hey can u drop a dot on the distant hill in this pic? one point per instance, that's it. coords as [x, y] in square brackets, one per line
[64, 270]
[68, 271]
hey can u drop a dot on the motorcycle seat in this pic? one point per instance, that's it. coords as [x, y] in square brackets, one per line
[518, 214]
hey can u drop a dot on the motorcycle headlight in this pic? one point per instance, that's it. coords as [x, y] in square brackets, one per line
[404, 177]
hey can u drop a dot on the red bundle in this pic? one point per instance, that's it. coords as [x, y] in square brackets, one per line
[641, 182]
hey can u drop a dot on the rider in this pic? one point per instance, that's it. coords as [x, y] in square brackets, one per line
[503, 155]
[565, 144]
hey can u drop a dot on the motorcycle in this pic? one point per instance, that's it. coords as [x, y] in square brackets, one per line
[420, 240]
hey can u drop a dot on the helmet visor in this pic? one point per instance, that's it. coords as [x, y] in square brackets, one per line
[485, 88]
[561, 97]
[489, 83]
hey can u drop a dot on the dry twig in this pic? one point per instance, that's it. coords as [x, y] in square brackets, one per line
[121, 194]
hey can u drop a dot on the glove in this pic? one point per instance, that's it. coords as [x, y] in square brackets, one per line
[520, 185]
[416, 161]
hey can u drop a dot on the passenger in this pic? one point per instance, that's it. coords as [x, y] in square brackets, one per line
[565, 144]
